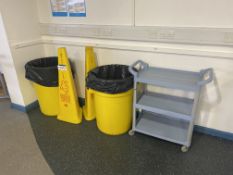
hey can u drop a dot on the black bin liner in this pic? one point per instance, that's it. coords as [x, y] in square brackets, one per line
[43, 71]
[110, 79]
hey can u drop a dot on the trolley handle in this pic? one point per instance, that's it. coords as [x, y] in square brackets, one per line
[142, 65]
[206, 72]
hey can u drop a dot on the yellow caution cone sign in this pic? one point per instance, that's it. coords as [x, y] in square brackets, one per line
[90, 63]
[69, 109]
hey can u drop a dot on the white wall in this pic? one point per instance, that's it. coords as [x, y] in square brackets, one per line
[184, 13]
[7, 67]
[22, 25]
[21, 19]
[99, 12]
[215, 109]
[215, 105]
[179, 13]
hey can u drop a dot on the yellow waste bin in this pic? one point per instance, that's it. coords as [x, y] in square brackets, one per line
[48, 99]
[113, 111]
[111, 88]
[43, 73]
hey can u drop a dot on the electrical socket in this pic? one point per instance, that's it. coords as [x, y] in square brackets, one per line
[105, 32]
[62, 30]
[153, 34]
[228, 37]
[167, 34]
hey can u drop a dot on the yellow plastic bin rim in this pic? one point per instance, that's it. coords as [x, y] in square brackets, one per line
[103, 94]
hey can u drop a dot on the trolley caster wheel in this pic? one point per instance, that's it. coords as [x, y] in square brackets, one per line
[131, 132]
[184, 149]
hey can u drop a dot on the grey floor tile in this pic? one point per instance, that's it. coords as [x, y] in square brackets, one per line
[83, 149]
[19, 152]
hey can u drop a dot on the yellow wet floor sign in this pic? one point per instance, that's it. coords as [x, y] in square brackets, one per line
[69, 109]
[90, 63]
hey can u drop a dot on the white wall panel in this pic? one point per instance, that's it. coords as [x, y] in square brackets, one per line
[22, 25]
[215, 106]
[99, 12]
[8, 67]
[184, 13]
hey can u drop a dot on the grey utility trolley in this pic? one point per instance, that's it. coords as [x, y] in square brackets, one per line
[165, 116]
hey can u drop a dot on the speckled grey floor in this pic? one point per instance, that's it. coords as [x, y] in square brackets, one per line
[19, 152]
[83, 150]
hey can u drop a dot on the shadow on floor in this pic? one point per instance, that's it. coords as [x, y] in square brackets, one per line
[84, 150]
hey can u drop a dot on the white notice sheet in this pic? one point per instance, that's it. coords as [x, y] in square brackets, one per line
[59, 7]
[76, 8]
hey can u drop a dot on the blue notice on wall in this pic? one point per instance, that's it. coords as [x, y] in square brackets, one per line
[76, 8]
[59, 7]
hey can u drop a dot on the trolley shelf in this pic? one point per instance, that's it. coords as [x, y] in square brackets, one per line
[162, 127]
[176, 79]
[173, 106]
